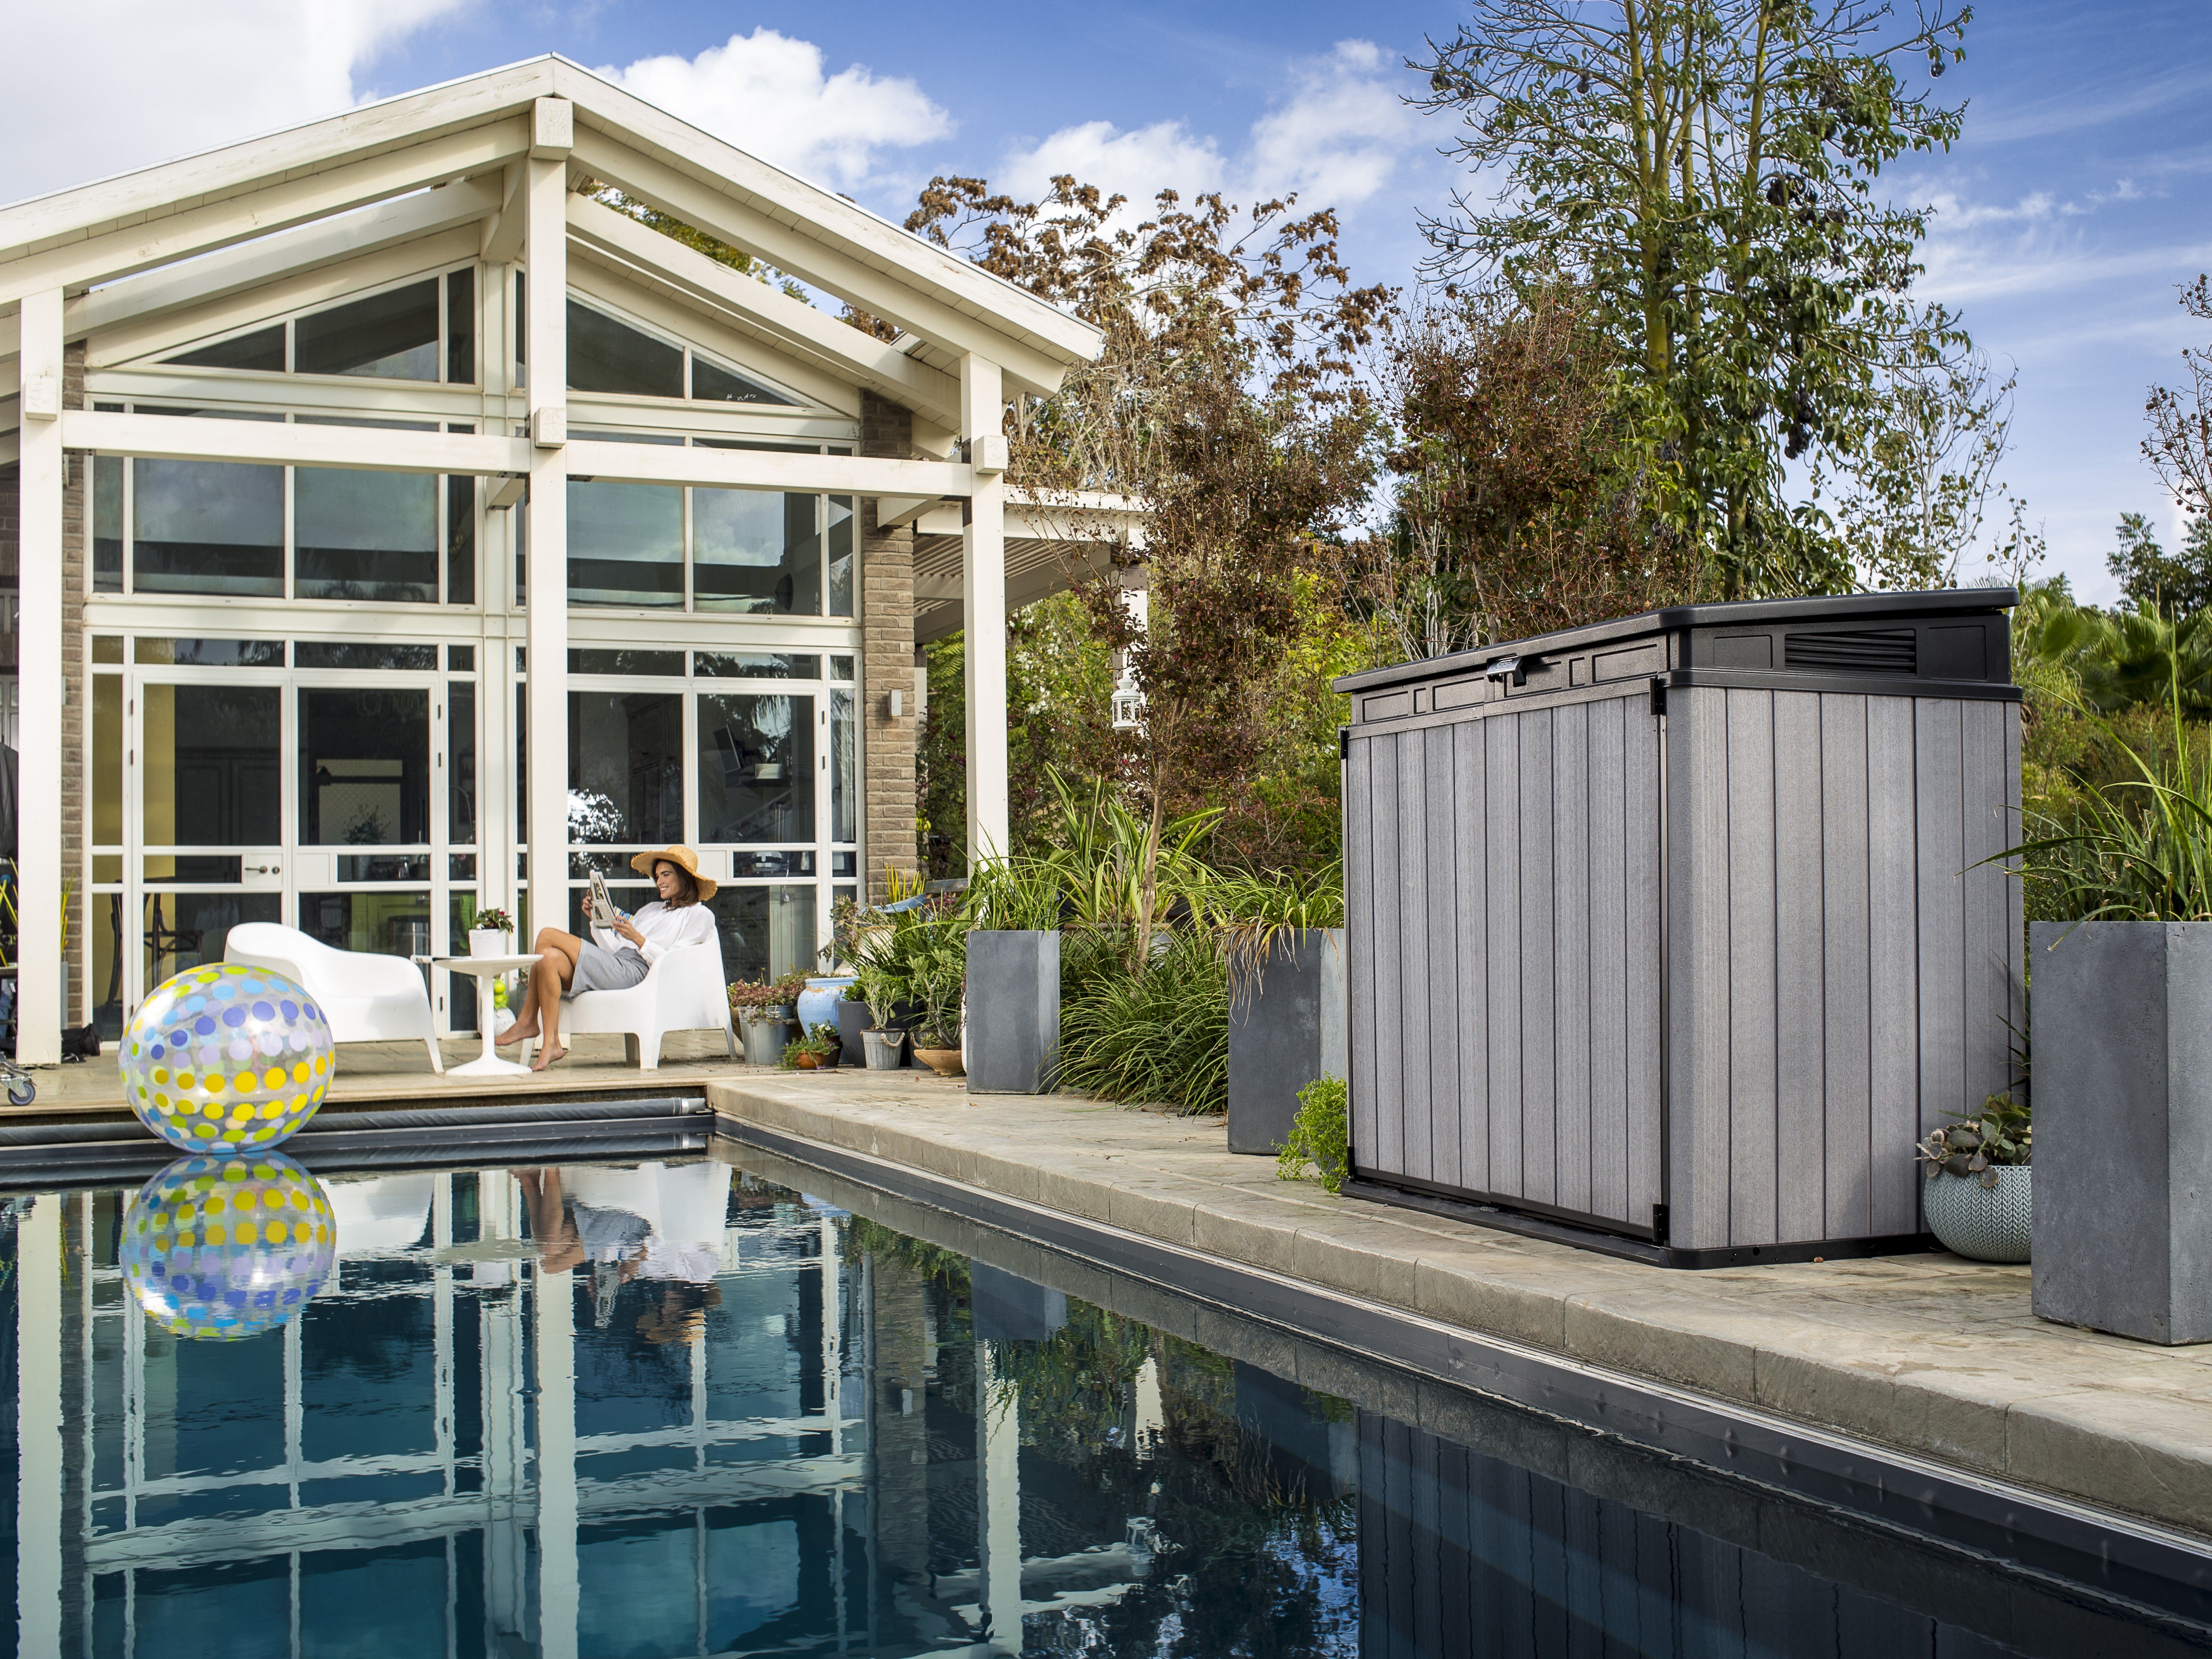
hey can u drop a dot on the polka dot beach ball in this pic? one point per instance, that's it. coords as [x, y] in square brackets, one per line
[227, 1059]
[228, 1247]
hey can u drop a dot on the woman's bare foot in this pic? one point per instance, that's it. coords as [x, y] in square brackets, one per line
[546, 1056]
[522, 1031]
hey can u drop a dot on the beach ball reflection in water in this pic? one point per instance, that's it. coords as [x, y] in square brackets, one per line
[227, 1059]
[228, 1247]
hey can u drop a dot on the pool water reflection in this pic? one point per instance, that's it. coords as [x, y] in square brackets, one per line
[676, 1408]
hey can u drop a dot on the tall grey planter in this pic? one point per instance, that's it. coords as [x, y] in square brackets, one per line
[1013, 1010]
[1287, 1030]
[2122, 1027]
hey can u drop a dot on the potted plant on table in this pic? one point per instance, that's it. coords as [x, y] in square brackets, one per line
[1977, 1197]
[816, 1051]
[489, 931]
[764, 1013]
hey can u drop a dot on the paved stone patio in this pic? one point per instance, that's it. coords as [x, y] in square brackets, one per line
[1926, 1354]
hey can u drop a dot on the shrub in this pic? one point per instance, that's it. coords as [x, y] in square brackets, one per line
[1320, 1136]
[1156, 1036]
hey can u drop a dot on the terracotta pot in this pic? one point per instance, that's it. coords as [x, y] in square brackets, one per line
[945, 1062]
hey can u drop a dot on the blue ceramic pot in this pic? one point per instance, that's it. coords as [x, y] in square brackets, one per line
[817, 1002]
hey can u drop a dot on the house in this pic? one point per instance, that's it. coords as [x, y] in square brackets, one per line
[403, 529]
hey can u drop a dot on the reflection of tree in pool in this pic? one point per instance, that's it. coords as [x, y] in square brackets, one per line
[1255, 1549]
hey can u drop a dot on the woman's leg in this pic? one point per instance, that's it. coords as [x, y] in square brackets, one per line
[555, 972]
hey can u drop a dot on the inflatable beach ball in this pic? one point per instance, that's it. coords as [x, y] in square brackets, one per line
[228, 1247]
[227, 1059]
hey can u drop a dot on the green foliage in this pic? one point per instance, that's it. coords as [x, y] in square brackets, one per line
[1980, 1142]
[1320, 1136]
[915, 954]
[1154, 1036]
[2176, 585]
[752, 998]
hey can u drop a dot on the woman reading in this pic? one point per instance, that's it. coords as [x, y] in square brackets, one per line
[614, 958]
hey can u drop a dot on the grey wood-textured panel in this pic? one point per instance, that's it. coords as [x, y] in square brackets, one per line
[1410, 1036]
[1609, 969]
[1471, 850]
[1539, 944]
[1362, 903]
[1390, 917]
[1847, 991]
[1697, 977]
[1893, 963]
[1939, 809]
[1571, 991]
[1991, 932]
[1502, 761]
[1641, 842]
[1444, 923]
[1751, 964]
[1799, 969]
[2015, 915]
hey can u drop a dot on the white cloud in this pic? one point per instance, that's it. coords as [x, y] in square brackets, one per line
[1338, 137]
[767, 94]
[96, 89]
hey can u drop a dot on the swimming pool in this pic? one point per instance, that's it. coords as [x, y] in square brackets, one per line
[679, 1407]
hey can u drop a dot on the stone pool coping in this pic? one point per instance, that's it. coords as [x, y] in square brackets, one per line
[1926, 1354]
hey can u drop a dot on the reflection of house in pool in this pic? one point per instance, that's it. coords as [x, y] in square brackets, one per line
[677, 1451]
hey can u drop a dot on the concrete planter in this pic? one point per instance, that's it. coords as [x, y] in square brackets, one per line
[1013, 1010]
[2121, 1018]
[1285, 1033]
[852, 1020]
[1983, 1223]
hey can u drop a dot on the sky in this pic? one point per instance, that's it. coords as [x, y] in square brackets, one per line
[2077, 203]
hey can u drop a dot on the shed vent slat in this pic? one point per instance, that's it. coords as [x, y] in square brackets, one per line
[1868, 651]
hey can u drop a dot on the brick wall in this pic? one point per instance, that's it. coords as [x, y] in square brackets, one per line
[887, 661]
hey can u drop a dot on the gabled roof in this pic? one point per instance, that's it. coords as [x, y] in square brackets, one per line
[283, 194]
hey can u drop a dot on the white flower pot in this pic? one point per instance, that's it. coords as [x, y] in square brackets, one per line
[487, 942]
[1983, 1223]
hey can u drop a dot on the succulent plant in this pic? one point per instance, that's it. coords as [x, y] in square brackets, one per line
[1980, 1143]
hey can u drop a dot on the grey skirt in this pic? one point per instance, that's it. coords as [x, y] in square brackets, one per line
[599, 969]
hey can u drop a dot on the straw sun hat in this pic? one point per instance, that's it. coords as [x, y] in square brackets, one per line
[683, 856]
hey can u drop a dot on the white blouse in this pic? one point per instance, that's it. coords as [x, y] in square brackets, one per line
[663, 929]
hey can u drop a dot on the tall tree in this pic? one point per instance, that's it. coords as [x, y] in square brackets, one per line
[2179, 448]
[1706, 168]
[2156, 582]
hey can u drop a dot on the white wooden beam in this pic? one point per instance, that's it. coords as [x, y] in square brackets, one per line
[501, 243]
[792, 322]
[288, 253]
[78, 264]
[983, 605]
[190, 438]
[545, 329]
[815, 260]
[40, 1001]
[750, 469]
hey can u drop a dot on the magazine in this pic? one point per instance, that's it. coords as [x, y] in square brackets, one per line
[603, 908]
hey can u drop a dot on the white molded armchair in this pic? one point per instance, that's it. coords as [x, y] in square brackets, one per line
[684, 991]
[367, 997]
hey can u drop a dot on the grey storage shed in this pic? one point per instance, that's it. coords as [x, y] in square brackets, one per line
[1666, 935]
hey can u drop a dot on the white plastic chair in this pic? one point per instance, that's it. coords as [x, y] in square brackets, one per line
[365, 997]
[684, 991]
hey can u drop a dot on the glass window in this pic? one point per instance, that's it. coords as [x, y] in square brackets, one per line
[460, 541]
[210, 654]
[364, 767]
[626, 662]
[208, 528]
[625, 543]
[844, 756]
[386, 924]
[324, 654]
[625, 767]
[756, 767]
[841, 554]
[262, 349]
[716, 384]
[210, 777]
[391, 335]
[183, 930]
[841, 668]
[765, 930]
[107, 647]
[755, 551]
[461, 659]
[461, 326]
[606, 356]
[757, 665]
[107, 759]
[359, 535]
[107, 523]
[461, 762]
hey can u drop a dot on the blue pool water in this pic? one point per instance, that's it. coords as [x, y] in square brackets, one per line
[658, 1409]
